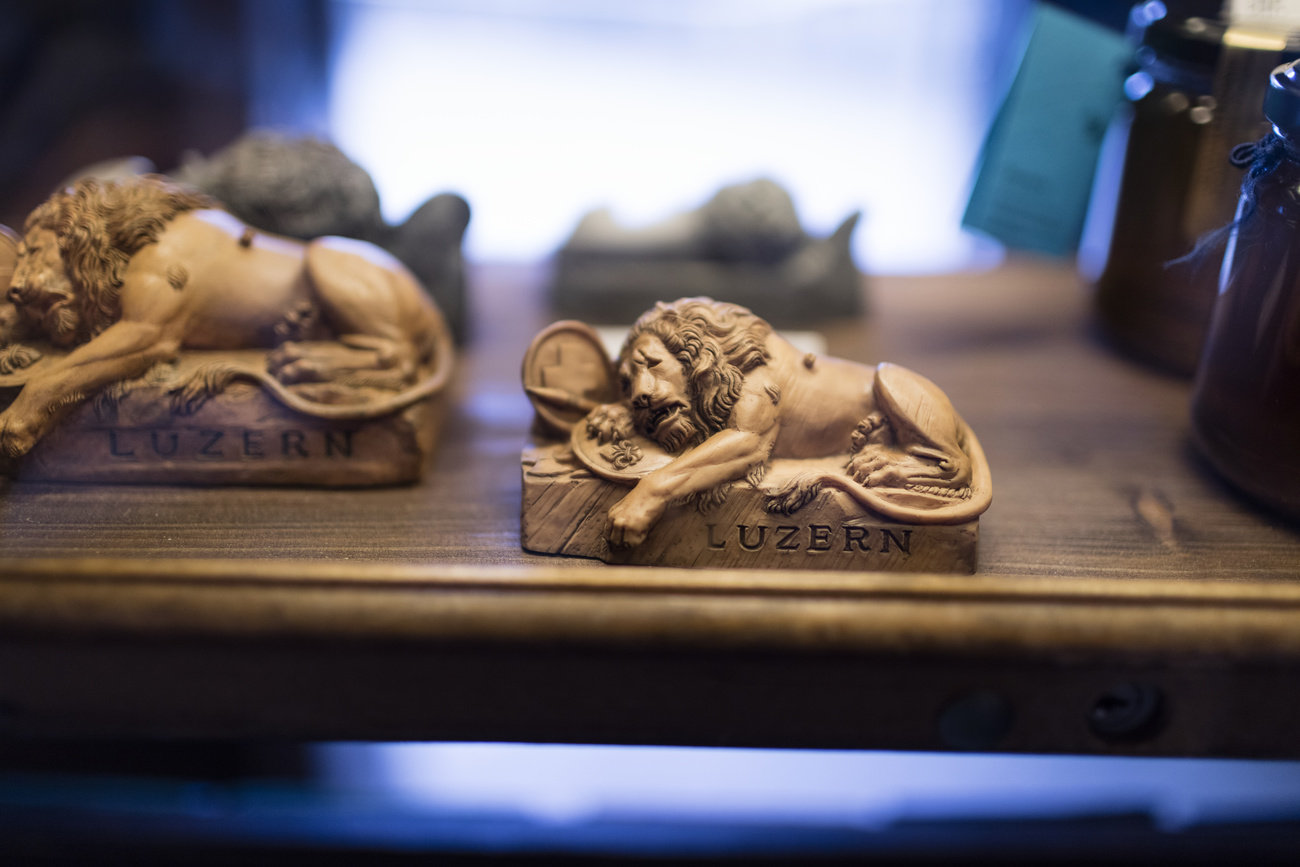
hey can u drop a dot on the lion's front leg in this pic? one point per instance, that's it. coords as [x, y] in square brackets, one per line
[124, 350]
[30, 417]
[723, 457]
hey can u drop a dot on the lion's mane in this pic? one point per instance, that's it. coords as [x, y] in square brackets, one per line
[717, 344]
[100, 226]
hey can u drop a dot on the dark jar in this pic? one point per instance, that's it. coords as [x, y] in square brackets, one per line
[1196, 92]
[1246, 397]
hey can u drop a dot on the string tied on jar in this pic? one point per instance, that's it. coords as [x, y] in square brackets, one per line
[1259, 158]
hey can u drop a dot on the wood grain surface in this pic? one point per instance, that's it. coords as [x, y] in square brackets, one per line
[1110, 554]
[1093, 473]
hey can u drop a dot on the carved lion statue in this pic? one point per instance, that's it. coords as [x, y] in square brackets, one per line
[125, 275]
[713, 386]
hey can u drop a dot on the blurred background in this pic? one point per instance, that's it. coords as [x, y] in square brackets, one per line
[540, 111]
[537, 112]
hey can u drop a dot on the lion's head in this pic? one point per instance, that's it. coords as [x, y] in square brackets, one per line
[683, 365]
[76, 247]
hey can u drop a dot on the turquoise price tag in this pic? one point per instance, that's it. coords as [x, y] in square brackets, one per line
[1038, 160]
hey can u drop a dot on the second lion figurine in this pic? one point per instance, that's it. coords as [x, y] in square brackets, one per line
[146, 297]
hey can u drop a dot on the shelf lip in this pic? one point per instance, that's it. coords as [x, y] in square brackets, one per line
[382, 577]
[442, 611]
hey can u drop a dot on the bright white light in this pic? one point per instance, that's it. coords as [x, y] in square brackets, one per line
[821, 787]
[538, 117]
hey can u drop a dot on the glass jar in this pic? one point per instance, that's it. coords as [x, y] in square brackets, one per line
[1246, 397]
[1196, 93]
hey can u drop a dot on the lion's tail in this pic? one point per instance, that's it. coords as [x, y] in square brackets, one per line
[900, 505]
[426, 388]
[215, 378]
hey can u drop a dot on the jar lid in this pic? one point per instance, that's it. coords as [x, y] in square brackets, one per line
[1185, 32]
[1188, 32]
[1282, 99]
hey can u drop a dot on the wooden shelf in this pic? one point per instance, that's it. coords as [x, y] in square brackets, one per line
[1110, 555]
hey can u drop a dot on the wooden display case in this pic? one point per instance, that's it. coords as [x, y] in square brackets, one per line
[1110, 556]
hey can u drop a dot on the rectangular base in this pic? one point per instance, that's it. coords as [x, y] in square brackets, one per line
[241, 436]
[565, 508]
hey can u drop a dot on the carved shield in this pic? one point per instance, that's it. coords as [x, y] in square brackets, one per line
[622, 460]
[566, 374]
[8, 256]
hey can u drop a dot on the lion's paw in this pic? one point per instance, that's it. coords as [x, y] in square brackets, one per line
[632, 518]
[304, 370]
[292, 363]
[189, 398]
[16, 356]
[878, 467]
[297, 323]
[17, 436]
[793, 495]
[872, 430]
[883, 467]
[343, 361]
[282, 356]
[203, 384]
[610, 423]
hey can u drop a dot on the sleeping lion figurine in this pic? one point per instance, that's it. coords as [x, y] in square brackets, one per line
[126, 275]
[708, 395]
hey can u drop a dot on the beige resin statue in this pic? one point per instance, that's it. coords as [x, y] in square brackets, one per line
[113, 279]
[712, 406]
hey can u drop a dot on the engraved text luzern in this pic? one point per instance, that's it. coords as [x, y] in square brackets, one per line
[853, 538]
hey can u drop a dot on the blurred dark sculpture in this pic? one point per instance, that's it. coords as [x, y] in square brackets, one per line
[744, 244]
[300, 187]
[306, 188]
